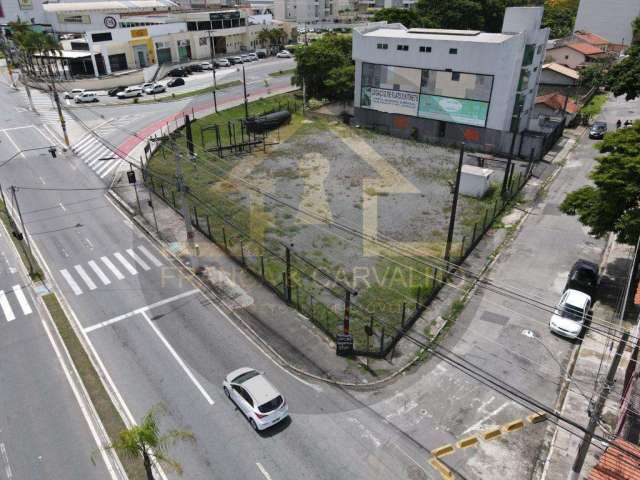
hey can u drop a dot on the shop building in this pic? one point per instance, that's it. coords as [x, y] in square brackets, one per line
[450, 86]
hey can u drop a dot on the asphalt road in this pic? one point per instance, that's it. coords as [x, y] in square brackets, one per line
[162, 342]
[43, 434]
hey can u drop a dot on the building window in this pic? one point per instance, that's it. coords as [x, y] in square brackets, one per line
[453, 51]
[540, 48]
[455, 76]
[403, 48]
[424, 49]
[383, 46]
[101, 37]
[192, 26]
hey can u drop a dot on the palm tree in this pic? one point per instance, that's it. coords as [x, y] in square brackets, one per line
[145, 442]
[263, 37]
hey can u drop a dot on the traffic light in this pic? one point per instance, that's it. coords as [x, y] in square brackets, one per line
[131, 175]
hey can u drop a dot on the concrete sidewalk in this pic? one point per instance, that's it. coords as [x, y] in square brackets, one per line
[591, 367]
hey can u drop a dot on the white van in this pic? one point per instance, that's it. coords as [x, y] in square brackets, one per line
[130, 92]
[86, 97]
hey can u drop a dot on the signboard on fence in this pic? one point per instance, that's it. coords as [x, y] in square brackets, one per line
[344, 344]
[390, 101]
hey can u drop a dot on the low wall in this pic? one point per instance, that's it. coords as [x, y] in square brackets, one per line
[103, 83]
[448, 134]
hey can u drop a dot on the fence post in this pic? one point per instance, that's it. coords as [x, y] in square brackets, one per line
[209, 228]
[347, 305]
[162, 191]
[495, 209]
[287, 252]
[242, 253]
[462, 248]
[382, 339]
[418, 298]
[285, 290]
[404, 314]
[224, 238]
[195, 216]
[484, 221]
[473, 235]
[262, 266]
[173, 198]
[435, 277]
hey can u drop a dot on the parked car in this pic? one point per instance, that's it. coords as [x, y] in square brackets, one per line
[598, 129]
[196, 67]
[222, 62]
[245, 58]
[178, 72]
[252, 57]
[175, 82]
[583, 277]
[256, 397]
[130, 92]
[284, 54]
[115, 90]
[234, 60]
[571, 313]
[72, 94]
[206, 66]
[261, 54]
[146, 85]
[86, 97]
[155, 88]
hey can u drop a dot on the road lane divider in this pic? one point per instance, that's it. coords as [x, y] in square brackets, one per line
[514, 426]
[441, 468]
[467, 442]
[492, 434]
[442, 451]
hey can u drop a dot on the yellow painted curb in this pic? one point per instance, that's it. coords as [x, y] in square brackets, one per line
[513, 426]
[491, 434]
[537, 417]
[441, 469]
[442, 451]
[467, 442]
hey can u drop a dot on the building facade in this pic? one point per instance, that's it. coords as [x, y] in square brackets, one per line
[450, 85]
[610, 19]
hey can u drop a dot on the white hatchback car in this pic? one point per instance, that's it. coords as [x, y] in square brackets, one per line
[130, 92]
[570, 314]
[86, 97]
[155, 88]
[254, 395]
[72, 94]
[284, 54]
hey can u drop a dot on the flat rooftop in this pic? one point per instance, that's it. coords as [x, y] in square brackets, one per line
[440, 35]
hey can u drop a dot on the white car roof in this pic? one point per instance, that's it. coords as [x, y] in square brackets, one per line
[577, 299]
[260, 389]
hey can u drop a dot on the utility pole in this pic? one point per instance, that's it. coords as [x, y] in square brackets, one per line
[184, 201]
[454, 206]
[244, 86]
[212, 49]
[14, 198]
[57, 100]
[515, 129]
[597, 410]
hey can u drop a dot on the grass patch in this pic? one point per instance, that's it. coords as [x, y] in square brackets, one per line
[109, 416]
[36, 272]
[594, 106]
[193, 93]
[282, 73]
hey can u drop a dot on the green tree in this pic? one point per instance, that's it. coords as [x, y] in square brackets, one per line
[624, 77]
[407, 17]
[454, 14]
[559, 16]
[593, 75]
[316, 63]
[612, 204]
[145, 442]
[340, 83]
[636, 31]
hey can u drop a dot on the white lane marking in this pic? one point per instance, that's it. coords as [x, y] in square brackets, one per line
[48, 139]
[85, 276]
[263, 471]
[17, 128]
[112, 267]
[150, 256]
[15, 145]
[140, 262]
[178, 359]
[6, 308]
[62, 207]
[57, 137]
[125, 264]
[98, 271]
[113, 165]
[22, 300]
[89, 243]
[72, 283]
[146, 308]
[5, 459]
[481, 422]
[82, 141]
[42, 180]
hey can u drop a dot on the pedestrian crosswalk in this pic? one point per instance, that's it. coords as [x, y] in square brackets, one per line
[45, 106]
[14, 301]
[89, 276]
[96, 155]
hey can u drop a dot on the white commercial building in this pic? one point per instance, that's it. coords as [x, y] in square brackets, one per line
[610, 19]
[305, 11]
[451, 85]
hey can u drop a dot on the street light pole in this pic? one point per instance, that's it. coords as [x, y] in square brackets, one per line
[244, 86]
[212, 49]
[24, 231]
[454, 206]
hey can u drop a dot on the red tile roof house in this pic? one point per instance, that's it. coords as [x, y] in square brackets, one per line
[592, 39]
[575, 54]
[551, 105]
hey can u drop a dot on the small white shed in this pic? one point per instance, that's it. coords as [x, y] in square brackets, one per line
[475, 181]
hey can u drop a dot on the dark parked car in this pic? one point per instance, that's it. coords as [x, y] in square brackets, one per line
[178, 72]
[195, 67]
[261, 55]
[175, 82]
[598, 129]
[115, 90]
[583, 277]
